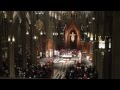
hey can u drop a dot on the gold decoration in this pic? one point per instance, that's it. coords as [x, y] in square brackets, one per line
[39, 24]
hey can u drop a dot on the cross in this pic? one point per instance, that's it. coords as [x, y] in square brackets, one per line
[72, 36]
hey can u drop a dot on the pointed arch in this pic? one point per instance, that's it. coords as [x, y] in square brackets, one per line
[15, 16]
[5, 14]
[72, 27]
[28, 17]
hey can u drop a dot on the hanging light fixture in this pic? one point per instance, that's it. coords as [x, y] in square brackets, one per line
[93, 18]
[53, 33]
[41, 33]
[35, 37]
[9, 39]
[27, 33]
[13, 39]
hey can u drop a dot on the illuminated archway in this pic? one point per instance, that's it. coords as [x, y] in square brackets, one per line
[69, 28]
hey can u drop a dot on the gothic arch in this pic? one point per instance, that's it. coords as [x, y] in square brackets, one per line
[28, 17]
[69, 28]
[4, 13]
[15, 16]
[23, 15]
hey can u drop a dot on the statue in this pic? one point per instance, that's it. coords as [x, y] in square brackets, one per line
[72, 36]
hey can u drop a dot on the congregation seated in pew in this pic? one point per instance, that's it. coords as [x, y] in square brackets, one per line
[81, 72]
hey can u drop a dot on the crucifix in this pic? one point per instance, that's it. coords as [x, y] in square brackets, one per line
[72, 36]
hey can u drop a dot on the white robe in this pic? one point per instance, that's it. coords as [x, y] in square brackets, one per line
[79, 56]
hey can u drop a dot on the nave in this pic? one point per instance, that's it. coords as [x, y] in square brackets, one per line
[28, 38]
[58, 68]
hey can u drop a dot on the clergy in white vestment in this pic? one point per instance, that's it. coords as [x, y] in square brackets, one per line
[79, 56]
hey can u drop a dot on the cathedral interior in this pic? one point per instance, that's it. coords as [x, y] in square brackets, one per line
[59, 44]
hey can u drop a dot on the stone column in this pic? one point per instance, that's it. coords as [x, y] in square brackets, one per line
[95, 40]
[32, 41]
[107, 65]
[108, 57]
[23, 30]
[50, 28]
[11, 47]
[100, 60]
[11, 60]
[0, 44]
[115, 74]
[99, 53]
[16, 27]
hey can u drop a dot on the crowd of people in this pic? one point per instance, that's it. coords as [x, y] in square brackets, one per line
[35, 71]
[45, 71]
[81, 71]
